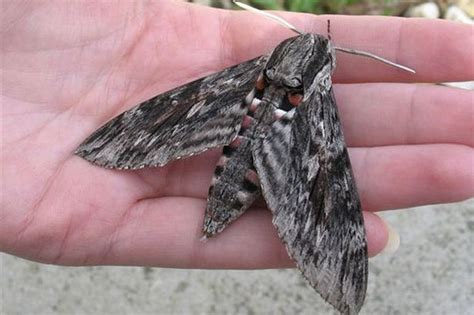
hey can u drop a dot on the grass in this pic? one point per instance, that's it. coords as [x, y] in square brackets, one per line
[312, 6]
[386, 7]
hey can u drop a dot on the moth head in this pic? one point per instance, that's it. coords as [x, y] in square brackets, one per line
[297, 61]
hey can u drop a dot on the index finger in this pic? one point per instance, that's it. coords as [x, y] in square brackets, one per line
[440, 51]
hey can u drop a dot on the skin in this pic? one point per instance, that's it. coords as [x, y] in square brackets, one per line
[68, 67]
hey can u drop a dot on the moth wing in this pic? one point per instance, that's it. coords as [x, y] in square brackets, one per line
[307, 182]
[189, 119]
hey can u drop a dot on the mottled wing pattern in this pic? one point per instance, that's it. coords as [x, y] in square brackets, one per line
[189, 119]
[308, 184]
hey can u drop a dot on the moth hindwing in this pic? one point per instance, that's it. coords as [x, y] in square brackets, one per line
[277, 119]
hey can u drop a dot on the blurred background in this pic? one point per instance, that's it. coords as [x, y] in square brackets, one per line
[431, 273]
[381, 7]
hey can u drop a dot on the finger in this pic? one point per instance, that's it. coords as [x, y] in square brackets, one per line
[436, 49]
[380, 114]
[167, 233]
[395, 177]
[387, 177]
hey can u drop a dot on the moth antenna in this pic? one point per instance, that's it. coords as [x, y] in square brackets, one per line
[286, 24]
[270, 16]
[329, 29]
[378, 58]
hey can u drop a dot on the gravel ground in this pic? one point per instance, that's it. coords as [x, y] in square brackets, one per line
[430, 274]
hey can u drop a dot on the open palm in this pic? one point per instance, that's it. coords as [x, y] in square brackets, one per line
[68, 67]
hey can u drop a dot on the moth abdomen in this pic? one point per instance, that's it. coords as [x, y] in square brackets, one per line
[251, 181]
[228, 151]
[235, 183]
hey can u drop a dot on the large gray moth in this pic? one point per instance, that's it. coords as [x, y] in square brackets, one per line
[277, 119]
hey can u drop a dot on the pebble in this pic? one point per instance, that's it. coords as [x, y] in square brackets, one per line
[454, 13]
[426, 10]
[467, 6]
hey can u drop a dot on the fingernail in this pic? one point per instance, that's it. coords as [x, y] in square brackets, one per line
[393, 242]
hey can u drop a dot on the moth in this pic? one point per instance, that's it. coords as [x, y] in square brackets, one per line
[277, 120]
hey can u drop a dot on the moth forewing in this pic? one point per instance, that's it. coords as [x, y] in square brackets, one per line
[307, 181]
[189, 119]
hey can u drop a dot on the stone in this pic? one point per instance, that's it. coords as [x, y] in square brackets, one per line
[455, 13]
[425, 10]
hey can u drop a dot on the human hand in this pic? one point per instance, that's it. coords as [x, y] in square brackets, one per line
[68, 67]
